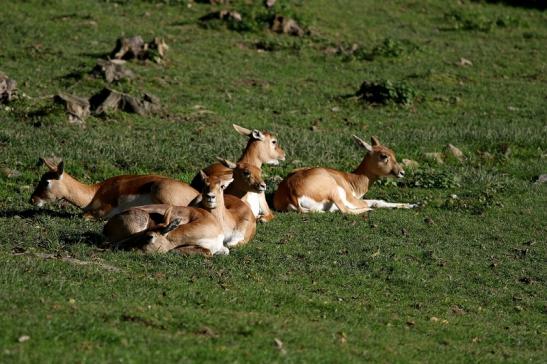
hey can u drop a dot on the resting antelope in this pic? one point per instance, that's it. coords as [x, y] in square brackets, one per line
[163, 228]
[234, 215]
[107, 198]
[262, 148]
[326, 189]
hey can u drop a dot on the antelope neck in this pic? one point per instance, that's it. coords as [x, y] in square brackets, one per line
[78, 193]
[250, 155]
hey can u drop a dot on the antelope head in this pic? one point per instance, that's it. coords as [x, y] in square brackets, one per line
[213, 189]
[264, 144]
[380, 161]
[247, 177]
[51, 186]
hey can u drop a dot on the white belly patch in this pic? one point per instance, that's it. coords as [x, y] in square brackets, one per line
[253, 200]
[309, 204]
[235, 238]
[215, 245]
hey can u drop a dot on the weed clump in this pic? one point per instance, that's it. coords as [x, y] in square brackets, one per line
[387, 48]
[386, 92]
[459, 20]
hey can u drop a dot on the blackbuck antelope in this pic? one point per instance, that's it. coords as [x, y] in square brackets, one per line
[262, 148]
[164, 228]
[326, 189]
[235, 216]
[107, 198]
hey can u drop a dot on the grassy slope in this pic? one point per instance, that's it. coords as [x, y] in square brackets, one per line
[331, 287]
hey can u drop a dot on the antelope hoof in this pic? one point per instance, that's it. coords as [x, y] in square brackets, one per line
[410, 206]
[266, 218]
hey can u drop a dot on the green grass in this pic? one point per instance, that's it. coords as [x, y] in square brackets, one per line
[457, 280]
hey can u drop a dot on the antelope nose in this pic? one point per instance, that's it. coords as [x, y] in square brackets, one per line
[401, 174]
[262, 186]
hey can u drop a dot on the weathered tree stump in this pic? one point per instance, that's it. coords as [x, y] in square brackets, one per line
[8, 88]
[108, 100]
[282, 24]
[112, 70]
[77, 107]
[136, 48]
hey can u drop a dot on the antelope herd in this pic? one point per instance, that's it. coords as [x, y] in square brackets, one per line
[221, 206]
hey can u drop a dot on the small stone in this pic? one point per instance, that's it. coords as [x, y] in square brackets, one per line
[23, 338]
[409, 163]
[456, 152]
[464, 62]
[435, 156]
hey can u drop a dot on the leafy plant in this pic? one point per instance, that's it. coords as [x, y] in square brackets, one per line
[385, 92]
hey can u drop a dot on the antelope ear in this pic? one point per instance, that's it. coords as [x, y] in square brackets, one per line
[374, 141]
[362, 143]
[257, 134]
[225, 183]
[171, 226]
[203, 175]
[226, 163]
[241, 130]
[167, 215]
[60, 168]
[49, 163]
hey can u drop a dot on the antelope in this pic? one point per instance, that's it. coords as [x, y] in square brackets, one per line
[235, 216]
[325, 189]
[107, 198]
[262, 148]
[162, 228]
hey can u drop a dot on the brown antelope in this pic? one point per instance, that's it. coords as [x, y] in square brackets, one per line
[234, 215]
[107, 198]
[326, 189]
[163, 228]
[262, 148]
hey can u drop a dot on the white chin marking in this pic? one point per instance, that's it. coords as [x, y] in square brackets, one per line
[274, 162]
[39, 204]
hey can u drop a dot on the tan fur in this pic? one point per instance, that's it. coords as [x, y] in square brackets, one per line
[234, 215]
[141, 227]
[323, 184]
[262, 148]
[116, 193]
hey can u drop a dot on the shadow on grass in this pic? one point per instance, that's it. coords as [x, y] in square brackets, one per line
[91, 238]
[529, 4]
[96, 55]
[30, 213]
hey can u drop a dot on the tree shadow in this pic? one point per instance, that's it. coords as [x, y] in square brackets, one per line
[30, 213]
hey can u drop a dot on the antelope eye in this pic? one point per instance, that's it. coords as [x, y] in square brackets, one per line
[383, 157]
[246, 173]
[274, 142]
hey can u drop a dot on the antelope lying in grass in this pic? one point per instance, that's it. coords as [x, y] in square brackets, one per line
[107, 198]
[262, 148]
[235, 216]
[163, 228]
[326, 189]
